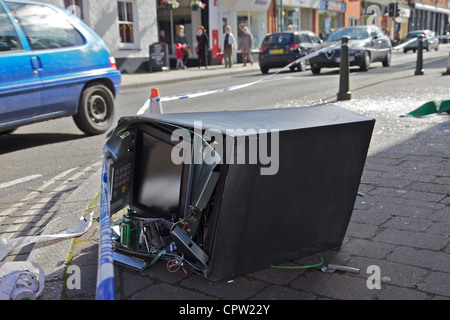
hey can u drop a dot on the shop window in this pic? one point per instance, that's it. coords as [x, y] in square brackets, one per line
[256, 22]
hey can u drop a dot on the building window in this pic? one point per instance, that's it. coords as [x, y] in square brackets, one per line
[352, 22]
[75, 7]
[126, 22]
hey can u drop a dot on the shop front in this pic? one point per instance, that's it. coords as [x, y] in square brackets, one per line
[298, 14]
[331, 17]
[171, 18]
[237, 15]
[319, 16]
[430, 16]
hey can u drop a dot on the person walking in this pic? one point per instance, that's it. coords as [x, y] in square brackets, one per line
[202, 46]
[181, 38]
[246, 46]
[228, 44]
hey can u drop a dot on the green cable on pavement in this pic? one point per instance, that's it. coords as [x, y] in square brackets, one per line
[302, 267]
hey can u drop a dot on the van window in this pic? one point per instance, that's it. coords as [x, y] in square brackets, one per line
[44, 27]
[8, 37]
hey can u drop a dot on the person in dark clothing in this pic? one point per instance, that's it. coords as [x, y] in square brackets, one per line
[203, 46]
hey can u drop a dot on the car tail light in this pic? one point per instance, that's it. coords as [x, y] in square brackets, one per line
[293, 47]
[261, 50]
[112, 63]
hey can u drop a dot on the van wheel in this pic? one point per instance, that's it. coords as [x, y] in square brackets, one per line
[264, 70]
[96, 110]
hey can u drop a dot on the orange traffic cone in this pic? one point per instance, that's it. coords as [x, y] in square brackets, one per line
[155, 102]
[448, 66]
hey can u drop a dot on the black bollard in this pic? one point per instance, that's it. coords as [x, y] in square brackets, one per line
[419, 64]
[344, 72]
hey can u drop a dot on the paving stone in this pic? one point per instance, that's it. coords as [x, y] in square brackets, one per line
[405, 223]
[277, 276]
[334, 286]
[437, 283]
[440, 215]
[367, 248]
[370, 217]
[281, 293]
[442, 228]
[413, 239]
[168, 292]
[238, 288]
[427, 259]
[388, 292]
[132, 282]
[361, 230]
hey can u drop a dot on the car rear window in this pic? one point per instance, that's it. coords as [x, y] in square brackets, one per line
[44, 27]
[8, 37]
[280, 39]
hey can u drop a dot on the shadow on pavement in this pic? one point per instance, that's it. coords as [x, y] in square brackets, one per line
[19, 141]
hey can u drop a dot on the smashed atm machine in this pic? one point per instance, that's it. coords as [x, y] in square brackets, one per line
[227, 193]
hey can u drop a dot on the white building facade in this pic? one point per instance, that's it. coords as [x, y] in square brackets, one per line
[128, 27]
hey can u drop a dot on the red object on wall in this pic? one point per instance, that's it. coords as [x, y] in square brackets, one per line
[215, 40]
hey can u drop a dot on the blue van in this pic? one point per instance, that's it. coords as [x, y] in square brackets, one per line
[52, 65]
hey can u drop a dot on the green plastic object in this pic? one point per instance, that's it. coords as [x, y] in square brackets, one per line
[430, 108]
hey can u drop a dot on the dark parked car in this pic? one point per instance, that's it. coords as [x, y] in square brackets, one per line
[360, 37]
[430, 41]
[52, 65]
[280, 49]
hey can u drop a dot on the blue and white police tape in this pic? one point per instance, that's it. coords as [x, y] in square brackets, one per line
[146, 105]
[399, 47]
[105, 268]
[351, 45]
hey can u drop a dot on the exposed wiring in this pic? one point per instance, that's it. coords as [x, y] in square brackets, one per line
[302, 267]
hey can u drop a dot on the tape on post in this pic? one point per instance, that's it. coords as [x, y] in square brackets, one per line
[105, 268]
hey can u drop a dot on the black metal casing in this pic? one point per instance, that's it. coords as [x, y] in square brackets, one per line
[261, 220]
